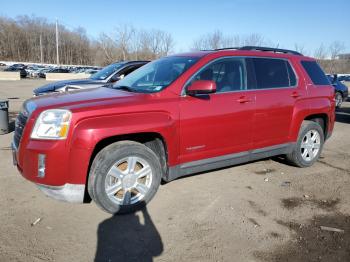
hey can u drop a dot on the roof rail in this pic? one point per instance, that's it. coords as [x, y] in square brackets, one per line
[270, 49]
[262, 48]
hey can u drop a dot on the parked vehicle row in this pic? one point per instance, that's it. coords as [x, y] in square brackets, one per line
[175, 116]
[39, 71]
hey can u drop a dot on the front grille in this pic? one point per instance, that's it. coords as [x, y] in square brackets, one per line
[20, 123]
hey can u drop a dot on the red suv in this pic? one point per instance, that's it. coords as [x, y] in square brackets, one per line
[175, 116]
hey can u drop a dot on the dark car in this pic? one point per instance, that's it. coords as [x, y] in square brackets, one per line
[341, 90]
[54, 70]
[106, 76]
[344, 78]
[21, 70]
[21, 66]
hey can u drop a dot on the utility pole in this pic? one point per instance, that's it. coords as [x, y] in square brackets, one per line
[41, 51]
[58, 58]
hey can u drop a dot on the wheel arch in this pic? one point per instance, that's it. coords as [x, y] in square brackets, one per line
[322, 119]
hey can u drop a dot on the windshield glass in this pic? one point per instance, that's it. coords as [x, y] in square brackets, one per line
[106, 72]
[156, 75]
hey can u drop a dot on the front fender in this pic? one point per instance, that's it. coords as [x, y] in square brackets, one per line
[88, 132]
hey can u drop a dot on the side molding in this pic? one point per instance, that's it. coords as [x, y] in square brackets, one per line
[226, 160]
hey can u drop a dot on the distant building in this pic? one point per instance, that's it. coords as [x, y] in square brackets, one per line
[343, 56]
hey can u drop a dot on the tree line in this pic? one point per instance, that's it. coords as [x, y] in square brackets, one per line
[33, 39]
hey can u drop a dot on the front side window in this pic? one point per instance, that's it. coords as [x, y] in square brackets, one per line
[104, 73]
[157, 75]
[273, 73]
[229, 74]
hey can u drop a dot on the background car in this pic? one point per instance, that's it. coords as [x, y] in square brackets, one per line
[106, 76]
[31, 70]
[341, 90]
[343, 78]
[21, 66]
[19, 69]
[54, 70]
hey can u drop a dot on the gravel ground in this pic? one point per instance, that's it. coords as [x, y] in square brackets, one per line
[261, 211]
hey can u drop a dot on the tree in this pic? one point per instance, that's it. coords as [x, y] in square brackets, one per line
[217, 39]
[335, 49]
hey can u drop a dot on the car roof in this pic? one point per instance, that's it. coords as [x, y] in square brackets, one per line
[132, 62]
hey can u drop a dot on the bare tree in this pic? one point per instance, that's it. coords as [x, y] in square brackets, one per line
[109, 48]
[300, 48]
[254, 40]
[217, 40]
[124, 36]
[335, 49]
[213, 40]
[321, 52]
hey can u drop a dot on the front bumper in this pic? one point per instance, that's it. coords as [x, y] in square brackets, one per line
[73, 193]
[68, 192]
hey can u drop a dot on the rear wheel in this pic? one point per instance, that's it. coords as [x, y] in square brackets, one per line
[309, 145]
[338, 99]
[124, 177]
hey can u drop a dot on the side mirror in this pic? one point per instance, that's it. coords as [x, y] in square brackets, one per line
[201, 87]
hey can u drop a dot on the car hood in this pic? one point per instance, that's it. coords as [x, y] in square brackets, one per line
[83, 98]
[51, 87]
[339, 86]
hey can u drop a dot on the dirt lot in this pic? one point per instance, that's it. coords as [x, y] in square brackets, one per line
[262, 211]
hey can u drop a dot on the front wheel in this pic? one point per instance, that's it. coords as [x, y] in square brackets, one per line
[308, 148]
[124, 177]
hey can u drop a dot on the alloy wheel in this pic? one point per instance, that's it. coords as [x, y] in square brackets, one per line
[128, 180]
[310, 145]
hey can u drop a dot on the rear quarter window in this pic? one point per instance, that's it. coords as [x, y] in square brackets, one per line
[315, 73]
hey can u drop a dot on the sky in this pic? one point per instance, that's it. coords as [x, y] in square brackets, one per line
[308, 23]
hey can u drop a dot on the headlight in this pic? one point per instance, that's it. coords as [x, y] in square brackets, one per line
[52, 124]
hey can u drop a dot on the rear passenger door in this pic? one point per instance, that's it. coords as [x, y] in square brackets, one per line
[276, 90]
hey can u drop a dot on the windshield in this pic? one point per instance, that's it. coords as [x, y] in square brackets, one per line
[106, 72]
[156, 75]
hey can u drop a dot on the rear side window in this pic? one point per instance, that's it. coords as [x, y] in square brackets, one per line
[315, 73]
[273, 73]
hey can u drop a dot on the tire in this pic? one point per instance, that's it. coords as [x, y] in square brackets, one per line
[303, 149]
[120, 167]
[338, 99]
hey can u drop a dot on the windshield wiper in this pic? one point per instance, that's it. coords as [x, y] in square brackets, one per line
[125, 88]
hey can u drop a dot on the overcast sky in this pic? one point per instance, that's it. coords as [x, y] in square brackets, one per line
[308, 23]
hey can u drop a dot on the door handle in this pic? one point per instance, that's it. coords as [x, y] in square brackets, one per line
[243, 100]
[295, 94]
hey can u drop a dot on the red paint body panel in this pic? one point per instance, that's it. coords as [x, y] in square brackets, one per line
[192, 128]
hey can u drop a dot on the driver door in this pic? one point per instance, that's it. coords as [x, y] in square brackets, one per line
[220, 123]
